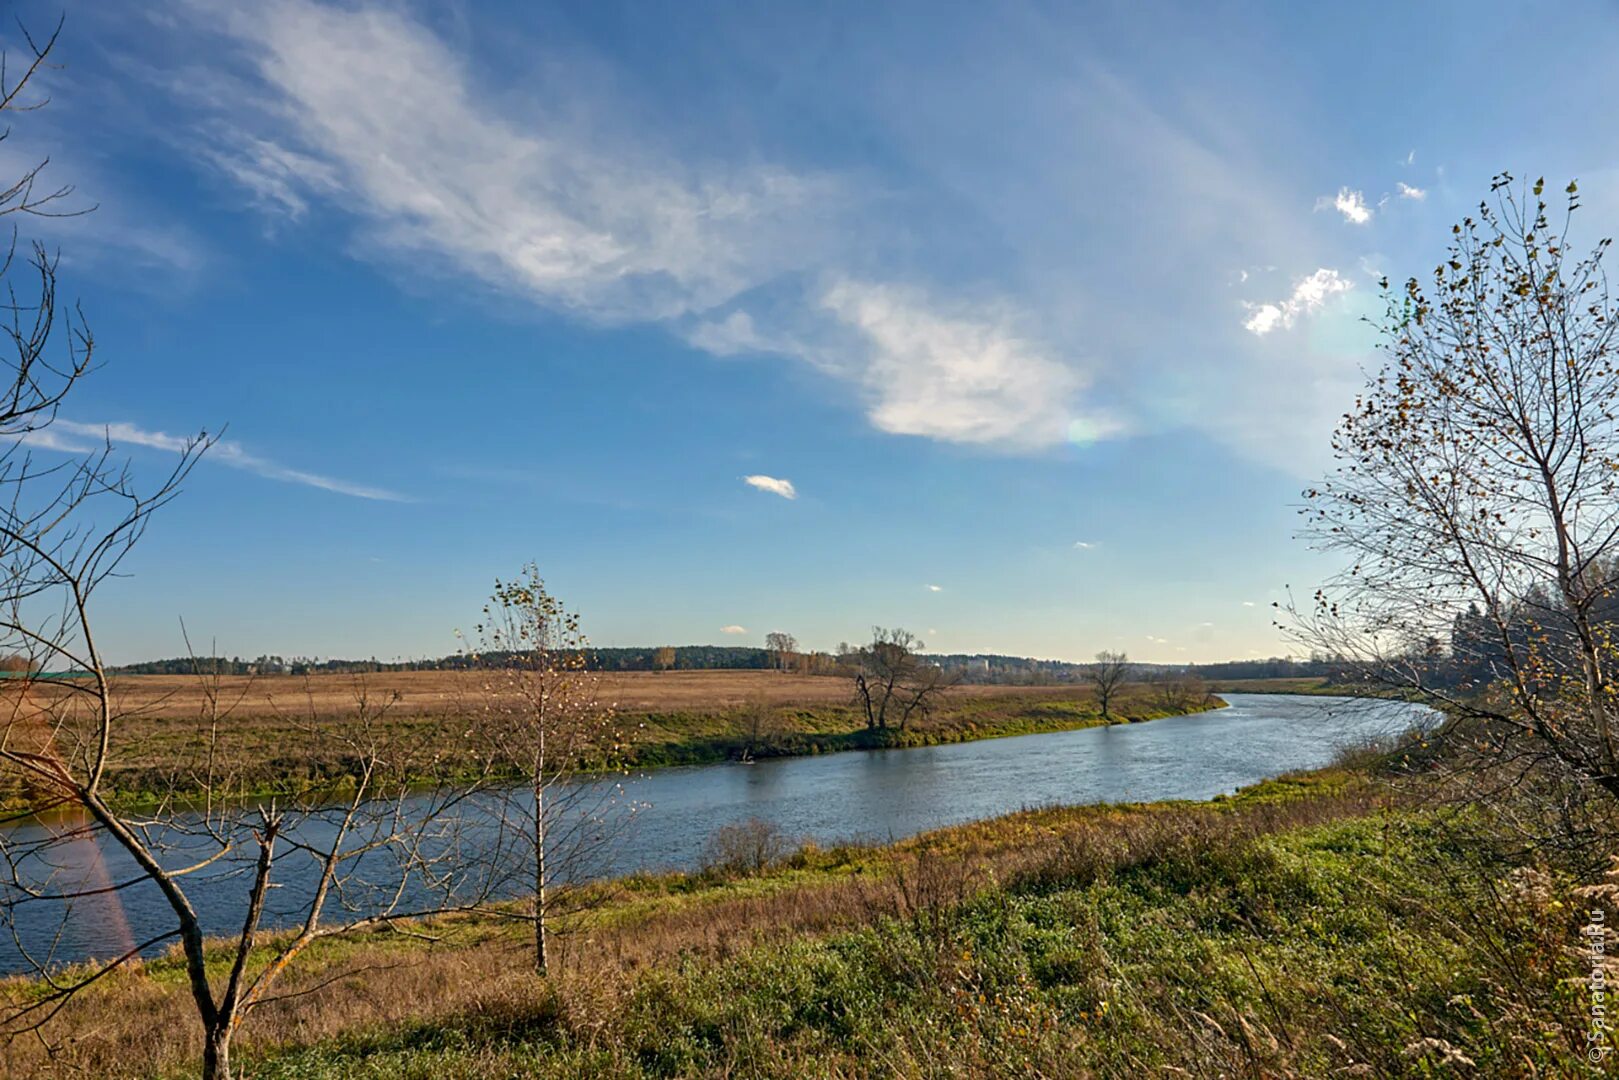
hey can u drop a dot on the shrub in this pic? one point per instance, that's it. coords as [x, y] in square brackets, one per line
[745, 847]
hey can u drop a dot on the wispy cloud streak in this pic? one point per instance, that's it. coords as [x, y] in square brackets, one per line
[76, 437]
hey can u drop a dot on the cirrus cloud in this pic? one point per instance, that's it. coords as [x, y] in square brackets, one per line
[75, 437]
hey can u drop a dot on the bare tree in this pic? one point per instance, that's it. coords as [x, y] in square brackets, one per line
[782, 649]
[663, 658]
[544, 719]
[893, 683]
[1179, 691]
[373, 851]
[1476, 495]
[208, 860]
[760, 726]
[1107, 675]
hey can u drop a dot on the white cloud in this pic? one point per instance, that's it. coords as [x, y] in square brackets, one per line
[1248, 603]
[1351, 204]
[105, 225]
[1409, 192]
[545, 190]
[729, 336]
[366, 106]
[87, 437]
[935, 588]
[959, 375]
[51, 438]
[1309, 295]
[1086, 545]
[733, 629]
[772, 484]
[278, 178]
[1157, 640]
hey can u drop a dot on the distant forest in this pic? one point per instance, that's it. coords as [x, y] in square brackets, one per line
[973, 667]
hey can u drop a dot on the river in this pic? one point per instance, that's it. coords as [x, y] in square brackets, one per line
[859, 795]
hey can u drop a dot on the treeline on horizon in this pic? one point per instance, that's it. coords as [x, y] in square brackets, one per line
[971, 667]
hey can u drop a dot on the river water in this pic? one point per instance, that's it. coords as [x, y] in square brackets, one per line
[859, 795]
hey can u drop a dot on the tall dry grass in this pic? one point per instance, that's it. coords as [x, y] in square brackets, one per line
[473, 973]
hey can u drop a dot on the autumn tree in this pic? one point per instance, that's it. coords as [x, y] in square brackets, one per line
[663, 658]
[782, 649]
[543, 719]
[893, 683]
[1475, 496]
[1107, 676]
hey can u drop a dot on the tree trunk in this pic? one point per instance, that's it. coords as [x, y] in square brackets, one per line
[539, 879]
[216, 1054]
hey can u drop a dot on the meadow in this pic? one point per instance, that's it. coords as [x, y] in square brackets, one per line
[270, 728]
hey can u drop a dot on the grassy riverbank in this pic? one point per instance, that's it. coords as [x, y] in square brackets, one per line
[278, 733]
[697, 737]
[1316, 925]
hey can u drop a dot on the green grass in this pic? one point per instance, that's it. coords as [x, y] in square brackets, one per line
[1390, 943]
[695, 738]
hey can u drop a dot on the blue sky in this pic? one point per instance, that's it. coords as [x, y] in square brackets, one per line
[1044, 312]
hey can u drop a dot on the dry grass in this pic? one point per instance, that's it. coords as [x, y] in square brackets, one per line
[438, 693]
[275, 732]
[140, 1022]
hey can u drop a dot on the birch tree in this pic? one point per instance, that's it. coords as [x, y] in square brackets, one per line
[545, 722]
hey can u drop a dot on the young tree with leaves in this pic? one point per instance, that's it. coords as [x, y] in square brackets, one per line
[1476, 493]
[543, 718]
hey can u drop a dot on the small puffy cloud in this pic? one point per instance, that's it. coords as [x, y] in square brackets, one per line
[1087, 545]
[1308, 296]
[935, 588]
[1248, 603]
[1157, 640]
[1351, 204]
[772, 484]
[1409, 192]
[733, 629]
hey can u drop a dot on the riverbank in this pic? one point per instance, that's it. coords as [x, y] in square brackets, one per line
[1322, 923]
[276, 736]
